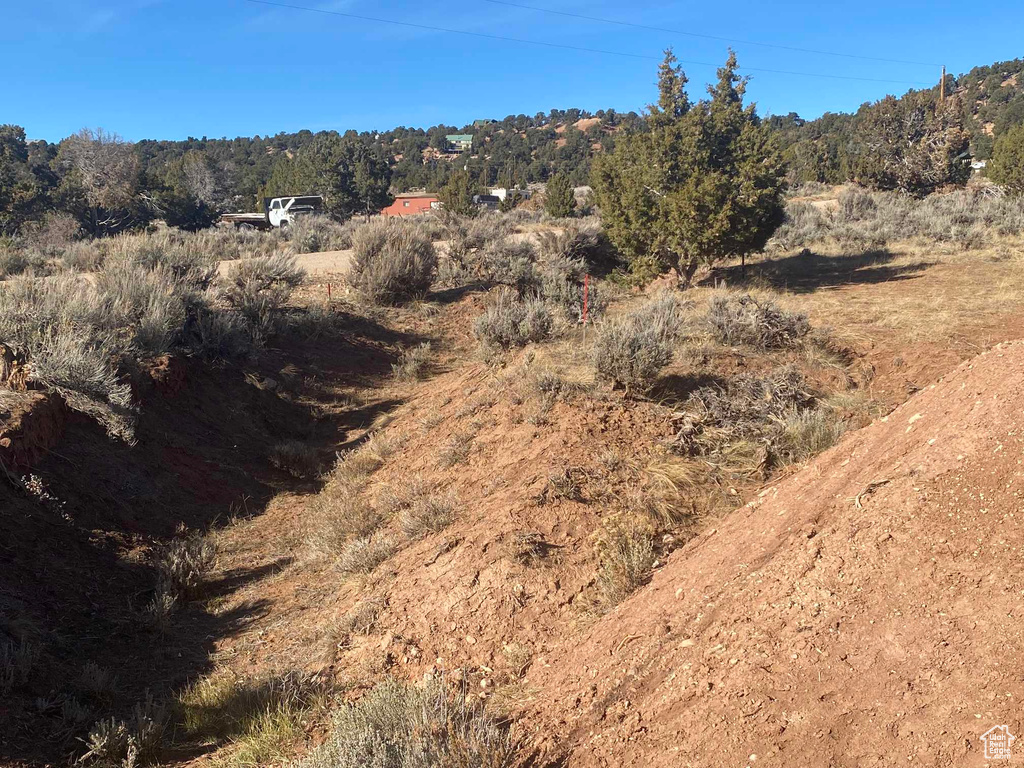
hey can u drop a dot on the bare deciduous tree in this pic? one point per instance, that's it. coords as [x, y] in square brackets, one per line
[107, 169]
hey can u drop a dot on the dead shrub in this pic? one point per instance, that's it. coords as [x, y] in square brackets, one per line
[510, 321]
[756, 423]
[393, 263]
[745, 320]
[401, 725]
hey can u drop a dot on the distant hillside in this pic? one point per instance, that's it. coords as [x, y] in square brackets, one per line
[516, 150]
[992, 99]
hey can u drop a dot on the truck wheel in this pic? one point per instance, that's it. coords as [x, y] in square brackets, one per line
[245, 228]
[284, 224]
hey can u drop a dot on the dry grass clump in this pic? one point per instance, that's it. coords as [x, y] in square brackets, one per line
[362, 617]
[394, 262]
[364, 554]
[184, 567]
[430, 513]
[745, 320]
[626, 553]
[264, 717]
[528, 547]
[296, 458]
[413, 363]
[455, 450]
[510, 321]
[630, 351]
[340, 513]
[400, 725]
[396, 496]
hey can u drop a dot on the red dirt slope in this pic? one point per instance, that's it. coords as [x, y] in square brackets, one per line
[865, 611]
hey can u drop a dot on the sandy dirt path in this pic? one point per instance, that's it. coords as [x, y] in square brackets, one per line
[323, 263]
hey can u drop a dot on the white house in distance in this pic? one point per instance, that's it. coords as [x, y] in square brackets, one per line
[501, 193]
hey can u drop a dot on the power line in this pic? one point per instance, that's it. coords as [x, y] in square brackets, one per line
[708, 37]
[507, 39]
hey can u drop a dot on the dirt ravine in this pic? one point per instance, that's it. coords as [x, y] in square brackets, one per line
[865, 611]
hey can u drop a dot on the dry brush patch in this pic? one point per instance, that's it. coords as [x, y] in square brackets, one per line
[402, 725]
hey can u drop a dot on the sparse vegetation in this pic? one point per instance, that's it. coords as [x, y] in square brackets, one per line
[430, 513]
[131, 742]
[364, 554]
[864, 219]
[185, 565]
[16, 663]
[297, 458]
[413, 362]
[400, 725]
[262, 716]
[455, 450]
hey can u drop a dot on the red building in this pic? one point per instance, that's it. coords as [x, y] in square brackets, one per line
[411, 204]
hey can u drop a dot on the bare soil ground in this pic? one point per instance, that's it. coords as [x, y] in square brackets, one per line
[860, 610]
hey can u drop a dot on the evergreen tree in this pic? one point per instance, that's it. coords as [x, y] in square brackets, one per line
[1007, 164]
[22, 197]
[560, 197]
[457, 194]
[703, 183]
[914, 144]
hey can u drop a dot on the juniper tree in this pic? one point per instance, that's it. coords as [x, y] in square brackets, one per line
[914, 144]
[457, 194]
[559, 197]
[1007, 164]
[702, 183]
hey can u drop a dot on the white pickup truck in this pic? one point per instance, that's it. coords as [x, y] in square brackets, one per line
[277, 212]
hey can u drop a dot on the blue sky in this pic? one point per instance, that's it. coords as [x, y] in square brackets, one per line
[170, 69]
